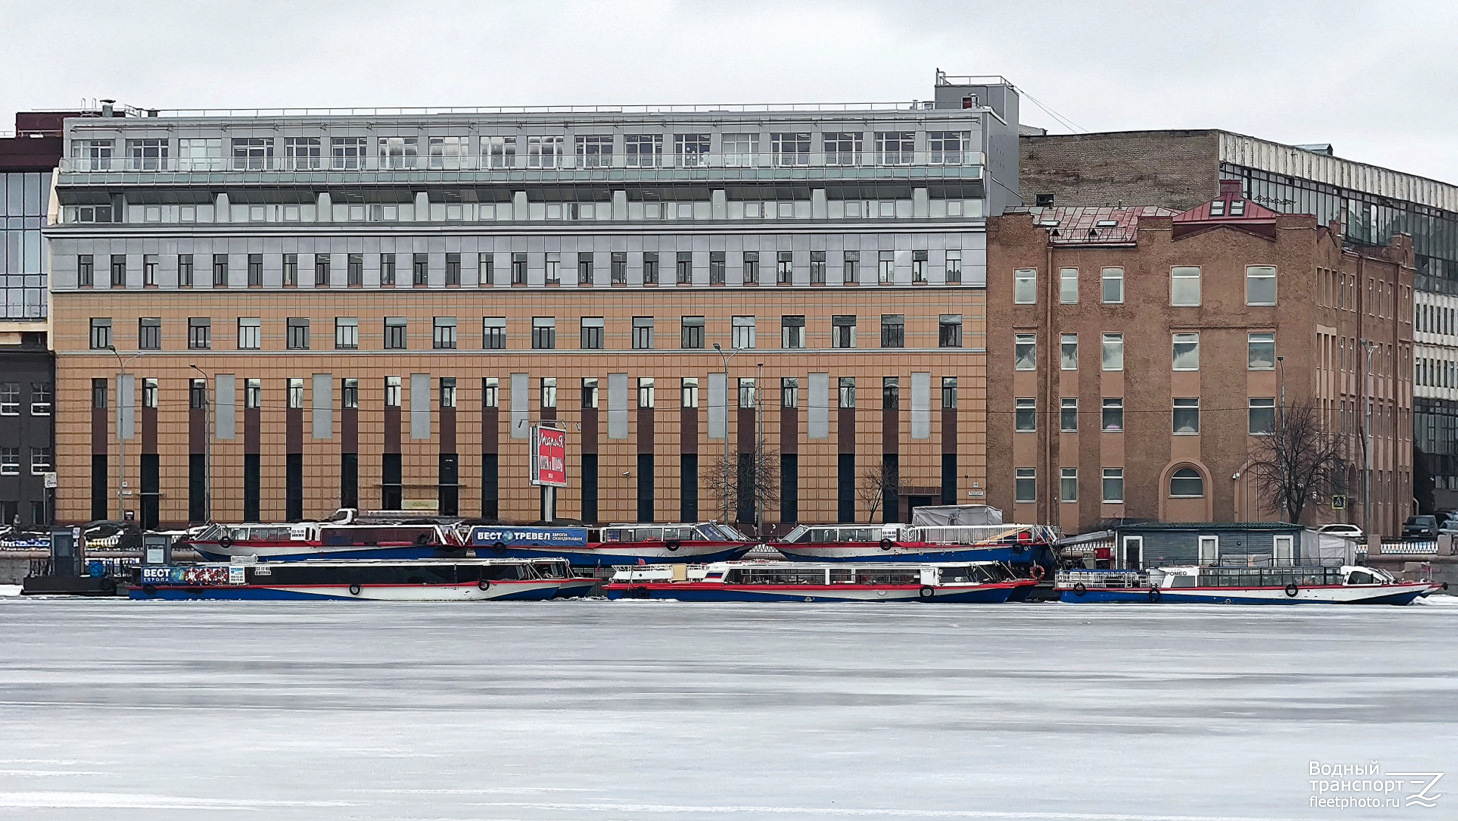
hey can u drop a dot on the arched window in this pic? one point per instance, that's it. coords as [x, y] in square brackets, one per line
[1186, 484]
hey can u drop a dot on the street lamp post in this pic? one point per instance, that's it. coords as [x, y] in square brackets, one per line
[1370, 346]
[207, 446]
[121, 439]
[724, 489]
[1281, 432]
[759, 451]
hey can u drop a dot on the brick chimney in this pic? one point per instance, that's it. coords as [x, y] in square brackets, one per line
[1230, 190]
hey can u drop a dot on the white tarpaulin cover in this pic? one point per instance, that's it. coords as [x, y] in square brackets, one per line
[928, 515]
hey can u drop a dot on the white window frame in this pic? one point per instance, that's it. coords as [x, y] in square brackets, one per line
[1025, 286]
[1111, 276]
[1067, 478]
[1191, 341]
[1209, 551]
[1068, 286]
[1068, 352]
[1187, 296]
[1251, 277]
[1112, 347]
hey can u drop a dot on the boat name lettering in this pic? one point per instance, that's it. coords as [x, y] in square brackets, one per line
[529, 536]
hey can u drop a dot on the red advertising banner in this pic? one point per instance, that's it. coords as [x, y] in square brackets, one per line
[549, 456]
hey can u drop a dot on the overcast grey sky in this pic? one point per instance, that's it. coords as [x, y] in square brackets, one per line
[1376, 79]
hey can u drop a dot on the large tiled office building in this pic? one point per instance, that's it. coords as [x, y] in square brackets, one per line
[276, 314]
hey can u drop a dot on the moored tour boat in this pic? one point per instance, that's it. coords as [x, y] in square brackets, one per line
[346, 536]
[373, 579]
[777, 581]
[1007, 543]
[1241, 585]
[613, 544]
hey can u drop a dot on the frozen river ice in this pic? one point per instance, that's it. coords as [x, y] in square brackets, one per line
[632, 710]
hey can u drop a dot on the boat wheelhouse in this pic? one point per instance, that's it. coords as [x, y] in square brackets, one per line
[1012, 544]
[346, 536]
[569, 584]
[1347, 584]
[781, 581]
[613, 544]
[371, 579]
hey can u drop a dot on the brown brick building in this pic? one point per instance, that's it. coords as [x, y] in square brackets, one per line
[1135, 352]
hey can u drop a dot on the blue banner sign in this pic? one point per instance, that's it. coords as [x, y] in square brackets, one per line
[530, 536]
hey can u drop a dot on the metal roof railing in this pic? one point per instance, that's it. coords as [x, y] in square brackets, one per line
[419, 111]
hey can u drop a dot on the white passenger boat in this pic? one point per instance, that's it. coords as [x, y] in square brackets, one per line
[780, 581]
[1241, 585]
[380, 580]
[613, 544]
[345, 536]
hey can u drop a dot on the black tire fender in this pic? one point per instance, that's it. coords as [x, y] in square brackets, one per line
[672, 545]
[1291, 590]
[354, 590]
[1079, 589]
[225, 542]
[927, 592]
[422, 539]
[149, 589]
[484, 584]
[886, 544]
[499, 547]
[1153, 595]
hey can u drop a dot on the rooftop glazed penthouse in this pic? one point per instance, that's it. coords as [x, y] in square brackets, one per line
[400, 231]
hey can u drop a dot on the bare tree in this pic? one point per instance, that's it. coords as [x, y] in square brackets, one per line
[877, 481]
[1298, 462]
[750, 481]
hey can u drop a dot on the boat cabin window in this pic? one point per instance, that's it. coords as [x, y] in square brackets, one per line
[842, 575]
[266, 534]
[1182, 581]
[966, 574]
[776, 575]
[1361, 577]
[878, 575]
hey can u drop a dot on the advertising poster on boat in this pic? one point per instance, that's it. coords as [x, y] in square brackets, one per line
[549, 456]
[529, 536]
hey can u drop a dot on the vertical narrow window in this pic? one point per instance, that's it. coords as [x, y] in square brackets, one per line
[589, 392]
[349, 393]
[1068, 485]
[296, 394]
[149, 269]
[949, 393]
[751, 267]
[850, 271]
[1068, 414]
[549, 392]
[1068, 286]
[1025, 286]
[485, 270]
[452, 269]
[954, 268]
[893, 330]
[716, 267]
[1025, 414]
[420, 270]
[1025, 485]
[1068, 352]
[253, 394]
[119, 271]
[387, 270]
[1260, 285]
[1185, 353]
[847, 392]
[1113, 485]
[890, 393]
[1113, 352]
[184, 270]
[584, 268]
[1112, 419]
[949, 331]
[645, 392]
[518, 269]
[650, 267]
[490, 392]
[918, 267]
[619, 268]
[354, 270]
[685, 268]
[886, 267]
[85, 271]
[1025, 352]
[392, 391]
[321, 270]
[817, 267]
[746, 392]
[255, 270]
[642, 332]
[1113, 285]
[1184, 286]
[689, 392]
[220, 270]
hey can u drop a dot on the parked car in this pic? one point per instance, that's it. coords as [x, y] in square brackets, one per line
[1420, 527]
[1348, 531]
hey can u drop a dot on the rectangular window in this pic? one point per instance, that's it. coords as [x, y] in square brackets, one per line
[716, 267]
[490, 392]
[591, 333]
[85, 270]
[1112, 420]
[9, 461]
[554, 271]
[41, 461]
[253, 394]
[743, 332]
[1068, 484]
[843, 148]
[1262, 416]
[751, 267]
[493, 333]
[303, 153]
[685, 268]
[1025, 485]
[149, 334]
[895, 147]
[420, 270]
[395, 328]
[41, 398]
[843, 331]
[1025, 352]
[296, 394]
[893, 330]
[518, 269]
[100, 333]
[392, 391]
[589, 392]
[354, 270]
[346, 333]
[255, 270]
[643, 150]
[498, 152]
[399, 152]
[595, 151]
[1113, 285]
[847, 392]
[92, 155]
[692, 334]
[1068, 286]
[1113, 352]
[792, 331]
[321, 270]
[149, 269]
[1186, 416]
[890, 393]
[544, 152]
[619, 268]
[790, 149]
[1025, 414]
[347, 153]
[485, 270]
[298, 333]
[118, 270]
[850, 272]
[886, 268]
[645, 392]
[691, 150]
[949, 331]
[740, 150]
[452, 269]
[1184, 286]
[445, 333]
[584, 268]
[250, 333]
[448, 152]
[948, 147]
[746, 392]
[549, 392]
[1260, 351]
[1260, 285]
[1068, 352]
[147, 155]
[252, 153]
[650, 268]
[643, 333]
[918, 267]
[1068, 414]
[448, 392]
[544, 333]
[9, 398]
[1186, 352]
[1025, 286]
[1113, 486]
[790, 392]
[949, 393]
[199, 333]
[98, 394]
[387, 270]
[184, 270]
[220, 270]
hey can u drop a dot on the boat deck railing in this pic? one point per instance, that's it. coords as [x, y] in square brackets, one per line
[1101, 578]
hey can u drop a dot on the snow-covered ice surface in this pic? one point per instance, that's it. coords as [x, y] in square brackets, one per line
[659, 710]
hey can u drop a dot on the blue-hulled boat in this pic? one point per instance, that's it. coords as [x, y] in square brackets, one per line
[1240, 585]
[779, 581]
[1011, 544]
[614, 544]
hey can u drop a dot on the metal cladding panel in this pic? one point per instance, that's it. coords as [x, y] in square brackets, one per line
[126, 390]
[617, 406]
[818, 403]
[716, 405]
[920, 405]
[521, 405]
[419, 406]
[324, 406]
[225, 404]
